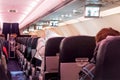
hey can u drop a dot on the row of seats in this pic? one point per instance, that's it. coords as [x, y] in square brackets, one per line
[4, 72]
[70, 49]
[26, 49]
[64, 55]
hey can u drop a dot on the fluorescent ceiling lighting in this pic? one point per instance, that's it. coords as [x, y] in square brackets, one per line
[110, 11]
[24, 32]
[43, 8]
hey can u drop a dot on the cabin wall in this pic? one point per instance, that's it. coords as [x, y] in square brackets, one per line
[67, 30]
[92, 26]
[89, 27]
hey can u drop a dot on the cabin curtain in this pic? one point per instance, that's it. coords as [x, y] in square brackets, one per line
[10, 28]
[6, 29]
[15, 29]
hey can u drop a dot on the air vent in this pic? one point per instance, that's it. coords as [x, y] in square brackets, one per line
[12, 11]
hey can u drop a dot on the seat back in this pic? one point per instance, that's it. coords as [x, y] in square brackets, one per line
[34, 42]
[107, 59]
[33, 46]
[52, 54]
[51, 60]
[29, 49]
[72, 48]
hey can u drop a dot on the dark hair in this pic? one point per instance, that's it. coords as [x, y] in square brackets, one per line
[103, 33]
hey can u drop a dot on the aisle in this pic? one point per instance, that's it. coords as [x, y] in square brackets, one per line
[15, 70]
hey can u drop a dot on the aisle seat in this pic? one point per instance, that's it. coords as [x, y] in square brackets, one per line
[71, 50]
[52, 57]
[107, 60]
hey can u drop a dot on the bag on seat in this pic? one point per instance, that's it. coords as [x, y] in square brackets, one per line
[87, 72]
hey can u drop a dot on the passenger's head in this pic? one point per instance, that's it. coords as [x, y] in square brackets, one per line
[103, 33]
[48, 33]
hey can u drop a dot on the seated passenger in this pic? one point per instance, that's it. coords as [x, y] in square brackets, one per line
[45, 35]
[90, 67]
[102, 34]
[5, 50]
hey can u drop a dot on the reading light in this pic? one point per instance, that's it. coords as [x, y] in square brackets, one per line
[74, 11]
[12, 11]
[25, 32]
[41, 9]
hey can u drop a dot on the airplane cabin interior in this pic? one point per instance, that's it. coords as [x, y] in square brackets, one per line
[59, 39]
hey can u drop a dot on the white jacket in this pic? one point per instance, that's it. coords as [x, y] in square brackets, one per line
[40, 48]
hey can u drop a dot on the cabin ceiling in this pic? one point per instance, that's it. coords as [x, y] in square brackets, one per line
[75, 9]
[69, 11]
[26, 12]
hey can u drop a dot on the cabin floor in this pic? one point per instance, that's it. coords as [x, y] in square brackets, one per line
[15, 70]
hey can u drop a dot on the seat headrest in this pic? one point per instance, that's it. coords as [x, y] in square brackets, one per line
[52, 46]
[107, 59]
[34, 43]
[76, 46]
[29, 41]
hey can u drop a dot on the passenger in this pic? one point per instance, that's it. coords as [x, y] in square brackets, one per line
[4, 73]
[5, 50]
[90, 67]
[101, 35]
[45, 35]
[40, 49]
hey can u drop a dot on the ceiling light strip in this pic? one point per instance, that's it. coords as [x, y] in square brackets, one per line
[41, 10]
[30, 10]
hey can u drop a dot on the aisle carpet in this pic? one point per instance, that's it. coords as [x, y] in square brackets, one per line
[15, 70]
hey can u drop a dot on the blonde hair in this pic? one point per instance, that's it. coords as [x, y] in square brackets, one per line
[42, 33]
